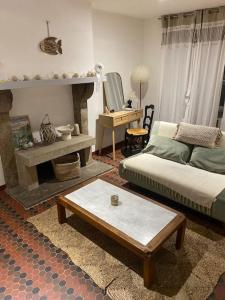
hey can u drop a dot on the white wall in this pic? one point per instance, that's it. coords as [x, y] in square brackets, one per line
[36, 102]
[152, 57]
[87, 37]
[22, 27]
[20, 52]
[118, 44]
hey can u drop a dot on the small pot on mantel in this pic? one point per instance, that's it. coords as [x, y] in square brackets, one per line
[66, 132]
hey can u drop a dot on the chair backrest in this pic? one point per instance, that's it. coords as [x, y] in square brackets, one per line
[148, 118]
[113, 89]
[169, 130]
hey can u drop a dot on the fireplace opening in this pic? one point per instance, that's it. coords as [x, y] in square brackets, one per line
[60, 169]
[45, 172]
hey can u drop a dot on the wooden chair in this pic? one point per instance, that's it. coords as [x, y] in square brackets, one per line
[137, 138]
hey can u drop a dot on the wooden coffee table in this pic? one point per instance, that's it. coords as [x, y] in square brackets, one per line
[137, 223]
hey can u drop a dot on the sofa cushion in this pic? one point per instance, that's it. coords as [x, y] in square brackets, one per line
[212, 160]
[201, 186]
[198, 135]
[162, 128]
[167, 148]
[170, 129]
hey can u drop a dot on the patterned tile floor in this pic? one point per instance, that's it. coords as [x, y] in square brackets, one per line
[31, 267]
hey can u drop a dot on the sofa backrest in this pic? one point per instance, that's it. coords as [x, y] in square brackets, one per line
[169, 130]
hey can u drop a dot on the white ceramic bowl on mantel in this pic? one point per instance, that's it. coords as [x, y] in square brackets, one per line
[65, 132]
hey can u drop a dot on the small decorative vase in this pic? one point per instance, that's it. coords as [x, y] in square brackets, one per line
[76, 131]
[47, 131]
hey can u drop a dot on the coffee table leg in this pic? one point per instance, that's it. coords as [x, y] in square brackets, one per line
[180, 235]
[61, 213]
[148, 271]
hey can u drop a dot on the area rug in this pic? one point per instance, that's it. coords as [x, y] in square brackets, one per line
[190, 273]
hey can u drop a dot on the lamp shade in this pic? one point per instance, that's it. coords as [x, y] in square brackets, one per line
[140, 74]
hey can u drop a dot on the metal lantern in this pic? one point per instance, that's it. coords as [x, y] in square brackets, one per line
[47, 131]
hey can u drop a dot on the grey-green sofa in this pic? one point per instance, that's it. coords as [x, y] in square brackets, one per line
[179, 180]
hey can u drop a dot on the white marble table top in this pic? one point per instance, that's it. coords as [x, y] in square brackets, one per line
[140, 219]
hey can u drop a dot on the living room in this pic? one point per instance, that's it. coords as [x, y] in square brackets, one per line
[112, 156]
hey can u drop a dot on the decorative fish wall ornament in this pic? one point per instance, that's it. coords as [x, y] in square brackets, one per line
[51, 45]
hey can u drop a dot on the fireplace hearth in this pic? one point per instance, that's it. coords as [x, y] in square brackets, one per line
[49, 188]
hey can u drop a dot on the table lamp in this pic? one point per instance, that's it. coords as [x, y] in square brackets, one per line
[140, 75]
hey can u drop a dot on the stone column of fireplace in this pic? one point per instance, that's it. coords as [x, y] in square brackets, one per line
[6, 142]
[81, 94]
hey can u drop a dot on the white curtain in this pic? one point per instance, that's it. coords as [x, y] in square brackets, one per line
[196, 84]
[177, 47]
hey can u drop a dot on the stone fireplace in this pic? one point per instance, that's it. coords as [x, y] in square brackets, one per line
[20, 167]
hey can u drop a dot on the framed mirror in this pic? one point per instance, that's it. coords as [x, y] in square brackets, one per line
[113, 89]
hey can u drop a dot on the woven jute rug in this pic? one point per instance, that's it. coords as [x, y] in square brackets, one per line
[190, 273]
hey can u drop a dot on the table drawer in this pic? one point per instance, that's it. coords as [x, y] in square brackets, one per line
[120, 120]
[135, 116]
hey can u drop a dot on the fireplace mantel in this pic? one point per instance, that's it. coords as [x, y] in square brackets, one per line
[11, 85]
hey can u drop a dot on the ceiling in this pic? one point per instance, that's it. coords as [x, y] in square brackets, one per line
[153, 8]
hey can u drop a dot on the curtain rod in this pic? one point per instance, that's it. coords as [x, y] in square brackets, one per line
[211, 10]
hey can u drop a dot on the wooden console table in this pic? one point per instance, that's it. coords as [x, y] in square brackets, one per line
[116, 119]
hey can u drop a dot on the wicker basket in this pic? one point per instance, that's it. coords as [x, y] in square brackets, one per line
[67, 167]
